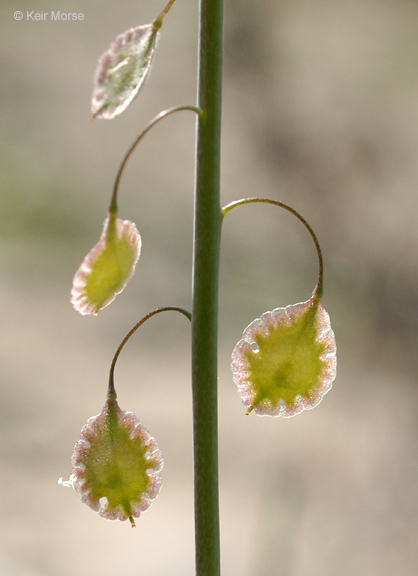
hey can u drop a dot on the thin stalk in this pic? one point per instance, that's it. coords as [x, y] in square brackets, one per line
[206, 245]
[159, 21]
[114, 200]
[320, 283]
[111, 388]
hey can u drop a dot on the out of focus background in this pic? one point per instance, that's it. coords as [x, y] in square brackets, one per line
[320, 111]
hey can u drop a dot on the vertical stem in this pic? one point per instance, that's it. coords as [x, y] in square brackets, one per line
[207, 231]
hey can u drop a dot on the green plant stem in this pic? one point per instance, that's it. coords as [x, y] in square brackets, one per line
[207, 232]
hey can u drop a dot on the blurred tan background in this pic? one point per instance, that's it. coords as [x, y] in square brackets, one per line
[320, 111]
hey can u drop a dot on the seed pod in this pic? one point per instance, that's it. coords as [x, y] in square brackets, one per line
[116, 464]
[108, 266]
[122, 70]
[286, 361]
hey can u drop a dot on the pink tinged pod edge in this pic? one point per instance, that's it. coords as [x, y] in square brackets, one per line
[286, 361]
[106, 269]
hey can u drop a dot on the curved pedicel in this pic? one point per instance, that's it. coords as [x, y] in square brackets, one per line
[117, 463]
[109, 265]
[286, 360]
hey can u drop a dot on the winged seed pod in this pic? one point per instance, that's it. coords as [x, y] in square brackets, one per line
[116, 464]
[108, 266]
[286, 361]
[122, 70]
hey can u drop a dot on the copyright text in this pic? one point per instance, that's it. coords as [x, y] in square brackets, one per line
[49, 16]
